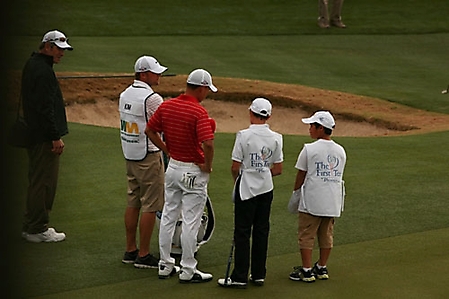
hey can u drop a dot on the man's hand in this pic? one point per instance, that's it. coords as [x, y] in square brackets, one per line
[58, 146]
[208, 148]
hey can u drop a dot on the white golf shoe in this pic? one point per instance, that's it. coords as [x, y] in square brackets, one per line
[48, 236]
[197, 277]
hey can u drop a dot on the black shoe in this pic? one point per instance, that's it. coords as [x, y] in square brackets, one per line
[146, 262]
[322, 273]
[130, 256]
[299, 274]
[197, 277]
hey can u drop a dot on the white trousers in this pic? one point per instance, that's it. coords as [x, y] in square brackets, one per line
[186, 195]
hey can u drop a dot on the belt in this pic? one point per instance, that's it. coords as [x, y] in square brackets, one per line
[180, 163]
[153, 152]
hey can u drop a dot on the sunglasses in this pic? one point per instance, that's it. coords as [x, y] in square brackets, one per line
[59, 39]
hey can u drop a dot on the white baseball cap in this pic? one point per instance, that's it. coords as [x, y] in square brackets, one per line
[323, 118]
[261, 106]
[58, 38]
[148, 64]
[201, 77]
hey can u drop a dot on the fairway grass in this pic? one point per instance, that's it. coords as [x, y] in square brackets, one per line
[408, 266]
[392, 236]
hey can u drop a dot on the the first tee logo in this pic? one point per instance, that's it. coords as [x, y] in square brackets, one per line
[261, 159]
[329, 168]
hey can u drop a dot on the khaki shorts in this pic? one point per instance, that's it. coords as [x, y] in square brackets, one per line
[310, 226]
[146, 183]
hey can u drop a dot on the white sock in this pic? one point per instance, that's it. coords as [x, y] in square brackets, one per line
[306, 269]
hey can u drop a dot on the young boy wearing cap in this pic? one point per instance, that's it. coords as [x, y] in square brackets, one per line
[256, 157]
[189, 143]
[319, 194]
[144, 165]
[44, 112]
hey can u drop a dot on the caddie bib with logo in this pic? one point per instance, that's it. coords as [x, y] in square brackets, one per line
[133, 120]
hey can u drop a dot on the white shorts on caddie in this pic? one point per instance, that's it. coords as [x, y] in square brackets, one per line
[185, 195]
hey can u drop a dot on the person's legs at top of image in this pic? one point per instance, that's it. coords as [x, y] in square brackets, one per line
[323, 14]
[335, 16]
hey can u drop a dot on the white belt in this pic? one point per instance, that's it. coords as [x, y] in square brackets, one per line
[180, 163]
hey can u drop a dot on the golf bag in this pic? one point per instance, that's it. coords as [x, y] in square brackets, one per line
[204, 233]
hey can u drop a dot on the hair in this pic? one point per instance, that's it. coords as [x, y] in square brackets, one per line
[327, 131]
[42, 45]
[263, 117]
[137, 75]
[193, 86]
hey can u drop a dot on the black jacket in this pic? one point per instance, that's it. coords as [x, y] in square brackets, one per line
[43, 104]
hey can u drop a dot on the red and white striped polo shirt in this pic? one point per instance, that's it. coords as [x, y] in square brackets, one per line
[186, 125]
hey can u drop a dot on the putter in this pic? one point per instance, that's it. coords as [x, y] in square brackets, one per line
[228, 267]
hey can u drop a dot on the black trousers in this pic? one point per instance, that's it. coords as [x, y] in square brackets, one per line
[43, 179]
[251, 219]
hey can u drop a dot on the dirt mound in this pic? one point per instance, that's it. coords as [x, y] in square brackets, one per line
[93, 99]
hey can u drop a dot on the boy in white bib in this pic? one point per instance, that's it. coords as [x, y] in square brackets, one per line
[256, 157]
[319, 194]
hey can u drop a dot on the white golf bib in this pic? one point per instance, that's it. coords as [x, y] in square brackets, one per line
[133, 121]
[322, 193]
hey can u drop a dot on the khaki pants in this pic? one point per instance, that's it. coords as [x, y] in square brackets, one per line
[323, 10]
[146, 183]
[310, 227]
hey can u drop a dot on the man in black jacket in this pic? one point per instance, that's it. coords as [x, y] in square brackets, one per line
[44, 111]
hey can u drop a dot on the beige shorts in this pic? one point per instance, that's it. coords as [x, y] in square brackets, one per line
[146, 183]
[310, 226]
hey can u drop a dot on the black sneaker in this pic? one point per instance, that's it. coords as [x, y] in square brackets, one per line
[299, 274]
[146, 262]
[130, 256]
[322, 273]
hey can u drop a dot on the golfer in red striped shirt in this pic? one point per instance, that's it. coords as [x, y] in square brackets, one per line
[189, 143]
